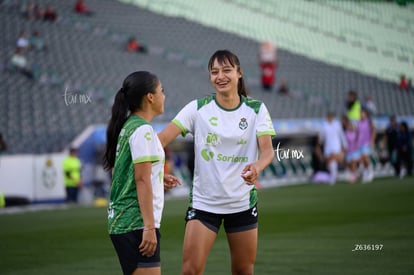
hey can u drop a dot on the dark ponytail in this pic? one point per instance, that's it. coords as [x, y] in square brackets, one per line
[127, 100]
[227, 56]
[118, 118]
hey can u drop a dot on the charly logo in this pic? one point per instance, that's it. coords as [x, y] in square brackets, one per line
[207, 155]
[243, 124]
[147, 136]
[213, 121]
[254, 212]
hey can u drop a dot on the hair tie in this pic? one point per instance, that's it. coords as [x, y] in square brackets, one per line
[123, 91]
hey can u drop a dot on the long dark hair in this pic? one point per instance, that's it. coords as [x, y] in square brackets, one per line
[127, 100]
[223, 56]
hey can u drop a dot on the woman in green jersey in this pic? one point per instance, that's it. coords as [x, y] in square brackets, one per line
[232, 145]
[136, 158]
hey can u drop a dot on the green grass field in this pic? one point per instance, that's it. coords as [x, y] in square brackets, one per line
[307, 229]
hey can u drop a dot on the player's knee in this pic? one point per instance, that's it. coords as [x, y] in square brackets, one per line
[243, 269]
[189, 268]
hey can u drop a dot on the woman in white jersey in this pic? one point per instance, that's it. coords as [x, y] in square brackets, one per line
[233, 144]
[334, 145]
[136, 158]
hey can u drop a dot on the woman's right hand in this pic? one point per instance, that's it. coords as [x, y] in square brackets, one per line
[149, 242]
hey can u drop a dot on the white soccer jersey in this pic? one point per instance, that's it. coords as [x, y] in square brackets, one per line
[145, 146]
[225, 141]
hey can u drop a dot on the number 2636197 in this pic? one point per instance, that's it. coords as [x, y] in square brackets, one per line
[368, 247]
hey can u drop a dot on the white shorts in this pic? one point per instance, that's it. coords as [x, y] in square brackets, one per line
[328, 151]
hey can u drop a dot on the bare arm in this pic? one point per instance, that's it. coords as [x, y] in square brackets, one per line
[266, 156]
[168, 134]
[142, 172]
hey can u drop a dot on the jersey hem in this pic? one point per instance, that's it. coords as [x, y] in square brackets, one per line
[146, 159]
[271, 133]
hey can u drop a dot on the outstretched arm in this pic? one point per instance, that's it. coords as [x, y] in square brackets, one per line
[169, 133]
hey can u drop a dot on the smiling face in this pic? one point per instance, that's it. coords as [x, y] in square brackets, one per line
[224, 76]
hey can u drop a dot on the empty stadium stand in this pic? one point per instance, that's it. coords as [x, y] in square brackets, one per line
[86, 58]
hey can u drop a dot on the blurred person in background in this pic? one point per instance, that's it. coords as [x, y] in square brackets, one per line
[134, 46]
[72, 175]
[404, 150]
[403, 84]
[22, 41]
[232, 145]
[283, 88]
[366, 142]
[18, 62]
[31, 11]
[27, 10]
[136, 158]
[334, 144]
[391, 138]
[37, 42]
[352, 154]
[37, 12]
[320, 173]
[353, 106]
[81, 8]
[50, 14]
[268, 64]
[370, 106]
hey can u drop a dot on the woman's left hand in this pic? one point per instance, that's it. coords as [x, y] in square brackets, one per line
[170, 181]
[250, 174]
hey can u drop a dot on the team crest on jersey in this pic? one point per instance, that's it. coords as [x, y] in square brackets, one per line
[243, 123]
[212, 139]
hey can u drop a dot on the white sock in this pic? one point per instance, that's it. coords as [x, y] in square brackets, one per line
[333, 170]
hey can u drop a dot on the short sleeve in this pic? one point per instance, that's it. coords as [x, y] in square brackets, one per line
[264, 123]
[143, 144]
[185, 118]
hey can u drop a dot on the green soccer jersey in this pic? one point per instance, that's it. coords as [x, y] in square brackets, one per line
[137, 142]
